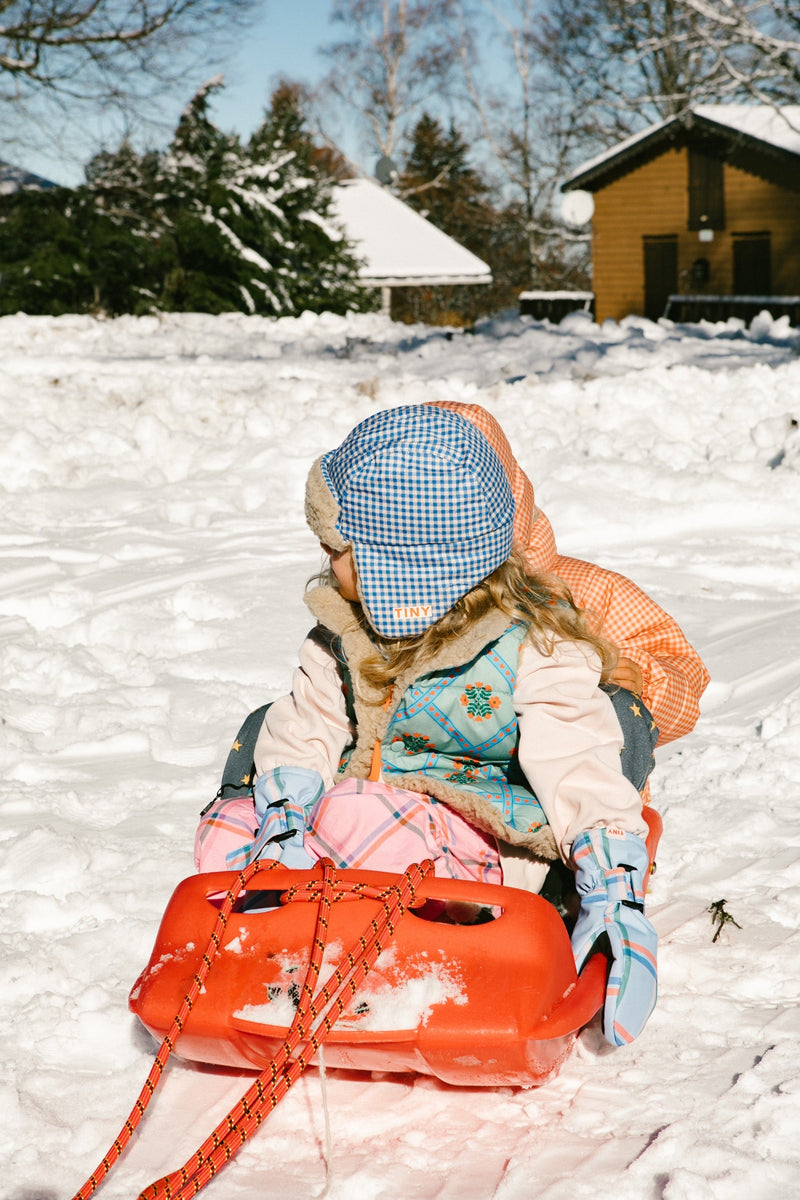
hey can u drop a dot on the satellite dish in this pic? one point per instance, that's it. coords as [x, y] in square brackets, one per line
[386, 170]
[577, 208]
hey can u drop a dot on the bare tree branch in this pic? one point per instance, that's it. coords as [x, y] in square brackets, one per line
[394, 58]
[104, 54]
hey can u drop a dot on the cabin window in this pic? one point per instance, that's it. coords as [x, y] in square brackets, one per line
[700, 272]
[706, 192]
[660, 273]
[752, 264]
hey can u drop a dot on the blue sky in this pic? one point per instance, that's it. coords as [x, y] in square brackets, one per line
[283, 41]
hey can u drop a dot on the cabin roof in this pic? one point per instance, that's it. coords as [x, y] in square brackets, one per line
[397, 245]
[757, 138]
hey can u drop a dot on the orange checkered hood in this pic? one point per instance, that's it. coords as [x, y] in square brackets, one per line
[533, 533]
[673, 673]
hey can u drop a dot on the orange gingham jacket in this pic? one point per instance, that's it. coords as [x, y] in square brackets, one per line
[674, 677]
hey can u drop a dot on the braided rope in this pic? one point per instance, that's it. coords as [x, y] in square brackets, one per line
[168, 1043]
[311, 1025]
[316, 1014]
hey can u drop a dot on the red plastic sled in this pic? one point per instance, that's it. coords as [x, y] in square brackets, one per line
[491, 1004]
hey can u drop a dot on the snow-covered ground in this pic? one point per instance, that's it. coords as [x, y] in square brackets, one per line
[154, 556]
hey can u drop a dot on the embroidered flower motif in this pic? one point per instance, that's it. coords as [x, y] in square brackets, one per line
[414, 743]
[478, 700]
[466, 771]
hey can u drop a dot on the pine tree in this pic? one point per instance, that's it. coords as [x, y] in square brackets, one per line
[313, 265]
[205, 272]
[125, 241]
[251, 225]
[42, 254]
[439, 182]
[208, 225]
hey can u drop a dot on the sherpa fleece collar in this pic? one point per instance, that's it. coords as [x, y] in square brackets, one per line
[373, 715]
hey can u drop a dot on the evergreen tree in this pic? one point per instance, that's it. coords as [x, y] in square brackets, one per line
[42, 253]
[440, 183]
[208, 225]
[125, 241]
[249, 228]
[206, 270]
[313, 265]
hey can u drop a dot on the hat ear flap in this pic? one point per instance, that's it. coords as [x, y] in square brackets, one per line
[322, 509]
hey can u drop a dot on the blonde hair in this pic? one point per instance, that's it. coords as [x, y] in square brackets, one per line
[543, 602]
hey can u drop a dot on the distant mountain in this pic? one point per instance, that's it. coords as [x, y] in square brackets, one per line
[13, 178]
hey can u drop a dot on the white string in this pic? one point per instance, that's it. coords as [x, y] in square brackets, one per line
[328, 1139]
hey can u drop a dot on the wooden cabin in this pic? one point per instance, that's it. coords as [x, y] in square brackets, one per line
[397, 246]
[698, 216]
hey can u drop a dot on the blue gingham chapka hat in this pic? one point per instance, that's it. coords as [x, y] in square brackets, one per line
[425, 504]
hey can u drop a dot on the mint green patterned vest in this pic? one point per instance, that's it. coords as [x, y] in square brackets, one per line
[459, 726]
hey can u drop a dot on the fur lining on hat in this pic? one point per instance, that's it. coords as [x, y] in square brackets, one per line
[373, 715]
[322, 510]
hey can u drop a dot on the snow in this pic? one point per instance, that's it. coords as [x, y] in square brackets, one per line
[777, 126]
[155, 553]
[420, 985]
[397, 244]
[12, 178]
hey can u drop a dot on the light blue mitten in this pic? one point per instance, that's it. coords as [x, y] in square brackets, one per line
[283, 796]
[611, 867]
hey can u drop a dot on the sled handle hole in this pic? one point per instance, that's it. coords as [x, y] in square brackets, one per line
[456, 912]
[254, 900]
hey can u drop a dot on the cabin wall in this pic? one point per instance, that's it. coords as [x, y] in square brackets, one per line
[652, 202]
[753, 204]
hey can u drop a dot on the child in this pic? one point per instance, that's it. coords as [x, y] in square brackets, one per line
[656, 661]
[447, 705]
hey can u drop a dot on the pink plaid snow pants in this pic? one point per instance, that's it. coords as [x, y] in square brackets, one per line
[359, 823]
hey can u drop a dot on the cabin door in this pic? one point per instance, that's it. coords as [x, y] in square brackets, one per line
[660, 273]
[752, 266]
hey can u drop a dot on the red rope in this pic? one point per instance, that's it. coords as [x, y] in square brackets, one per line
[316, 1014]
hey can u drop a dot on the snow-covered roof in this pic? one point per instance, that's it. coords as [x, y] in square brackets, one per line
[398, 246]
[776, 129]
[777, 126]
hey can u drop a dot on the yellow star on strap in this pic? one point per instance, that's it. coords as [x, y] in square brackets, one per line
[637, 712]
[246, 780]
[237, 745]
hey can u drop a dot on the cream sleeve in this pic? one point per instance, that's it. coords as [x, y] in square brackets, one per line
[569, 744]
[309, 727]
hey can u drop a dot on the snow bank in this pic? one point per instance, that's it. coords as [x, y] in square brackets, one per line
[154, 555]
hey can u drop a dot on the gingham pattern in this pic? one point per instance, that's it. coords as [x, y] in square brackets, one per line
[427, 507]
[672, 670]
[530, 523]
[673, 674]
[610, 870]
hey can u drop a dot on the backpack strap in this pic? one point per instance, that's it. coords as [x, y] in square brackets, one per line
[239, 770]
[639, 734]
